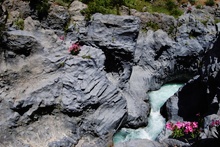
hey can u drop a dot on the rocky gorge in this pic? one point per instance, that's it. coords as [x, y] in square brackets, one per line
[49, 97]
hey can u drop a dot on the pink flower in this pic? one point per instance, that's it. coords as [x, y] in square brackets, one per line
[217, 122]
[195, 124]
[190, 128]
[74, 49]
[179, 125]
[212, 124]
[169, 126]
[187, 123]
[186, 130]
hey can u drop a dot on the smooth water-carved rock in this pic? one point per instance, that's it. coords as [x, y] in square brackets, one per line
[89, 96]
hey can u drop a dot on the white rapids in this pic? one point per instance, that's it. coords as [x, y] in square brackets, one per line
[155, 121]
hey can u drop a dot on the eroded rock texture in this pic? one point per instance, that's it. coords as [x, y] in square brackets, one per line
[49, 97]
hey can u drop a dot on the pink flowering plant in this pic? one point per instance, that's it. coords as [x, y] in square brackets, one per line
[216, 123]
[181, 129]
[74, 48]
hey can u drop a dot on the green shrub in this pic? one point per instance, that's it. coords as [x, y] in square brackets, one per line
[176, 12]
[210, 2]
[171, 30]
[154, 26]
[192, 2]
[99, 6]
[86, 57]
[204, 22]
[41, 6]
[198, 6]
[65, 3]
[171, 5]
[20, 23]
[217, 21]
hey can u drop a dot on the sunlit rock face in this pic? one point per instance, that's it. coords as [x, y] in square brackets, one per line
[91, 95]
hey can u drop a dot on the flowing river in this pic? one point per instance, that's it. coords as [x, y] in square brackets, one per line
[155, 121]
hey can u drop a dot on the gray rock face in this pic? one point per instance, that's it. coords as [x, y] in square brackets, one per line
[174, 142]
[209, 130]
[49, 97]
[69, 86]
[57, 18]
[22, 43]
[165, 22]
[115, 32]
[117, 36]
[201, 91]
[139, 142]
[2, 20]
[15, 5]
[200, 95]
[75, 11]
[31, 25]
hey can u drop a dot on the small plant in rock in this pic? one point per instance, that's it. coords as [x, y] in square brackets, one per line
[154, 26]
[41, 7]
[86, 57]
[216, 123]
[198, 6]
[184, 129]
[217, 21]
[210, 2]
[20, 23]
[65, 3]
[74, 49]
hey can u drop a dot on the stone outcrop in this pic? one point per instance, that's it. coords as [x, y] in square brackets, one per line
[139, 142]
[3, 18]
[64, 86]
[57, 18]
[199, 96]
[75, 11]
[49, 97]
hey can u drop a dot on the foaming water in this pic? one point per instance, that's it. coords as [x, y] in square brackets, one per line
[155, 121]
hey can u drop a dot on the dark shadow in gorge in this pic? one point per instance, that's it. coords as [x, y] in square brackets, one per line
[193, 100]
[197, 96]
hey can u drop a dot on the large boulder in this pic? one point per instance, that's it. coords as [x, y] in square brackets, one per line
[117, 36]
[57, 18]
[155, 21]
[139, 143]
[200, 95]
[114, 34]
[75, 9]
[21, 43]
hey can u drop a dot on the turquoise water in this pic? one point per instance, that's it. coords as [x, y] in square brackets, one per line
[155, 121]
